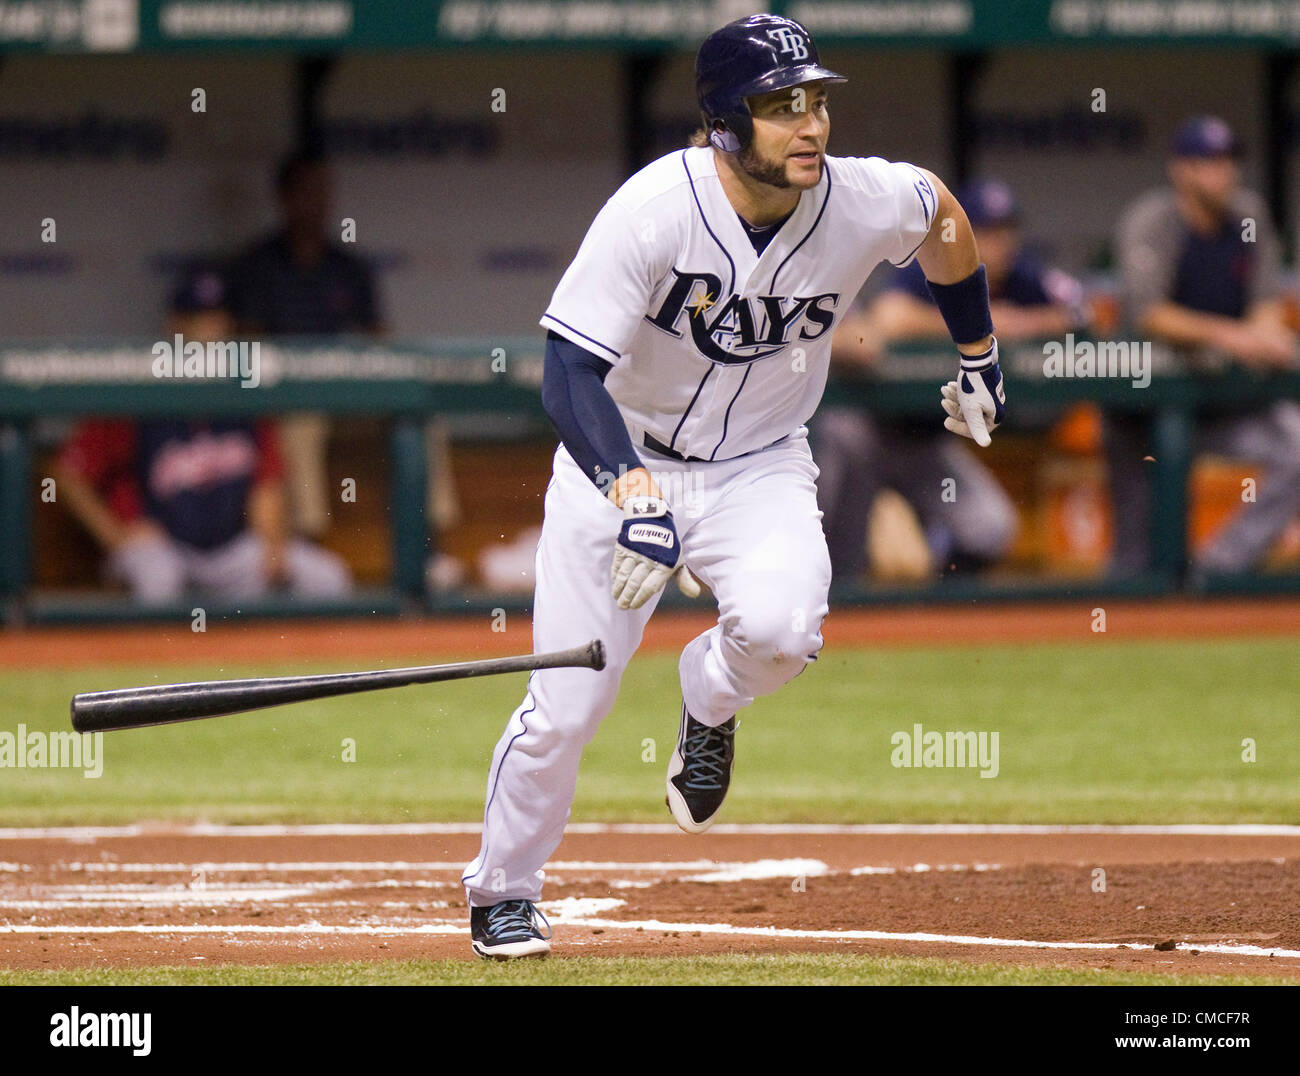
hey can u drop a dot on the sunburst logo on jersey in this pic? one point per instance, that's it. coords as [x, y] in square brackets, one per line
[702, 303]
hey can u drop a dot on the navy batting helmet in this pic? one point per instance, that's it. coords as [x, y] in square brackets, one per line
[751, 56]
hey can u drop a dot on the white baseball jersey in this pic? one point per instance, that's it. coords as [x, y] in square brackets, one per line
[718, 351]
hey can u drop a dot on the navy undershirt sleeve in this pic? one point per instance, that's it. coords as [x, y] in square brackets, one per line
[583, 412]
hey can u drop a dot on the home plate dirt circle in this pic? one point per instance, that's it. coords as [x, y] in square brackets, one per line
[1177, 899]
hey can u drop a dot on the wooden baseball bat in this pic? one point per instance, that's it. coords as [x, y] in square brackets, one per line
[165, 704]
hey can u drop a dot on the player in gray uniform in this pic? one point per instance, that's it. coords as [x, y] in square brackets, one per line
[688, 345]
[1201, 272]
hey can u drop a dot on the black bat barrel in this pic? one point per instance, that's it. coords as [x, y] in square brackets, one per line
[163, 704]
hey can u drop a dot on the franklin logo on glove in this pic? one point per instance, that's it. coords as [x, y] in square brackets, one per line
[648, 532]
[646, 554]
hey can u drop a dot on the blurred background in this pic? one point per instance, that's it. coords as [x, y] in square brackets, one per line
[384, 194]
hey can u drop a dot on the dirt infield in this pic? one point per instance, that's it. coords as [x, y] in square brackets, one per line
[469, 637]
[1215, 900]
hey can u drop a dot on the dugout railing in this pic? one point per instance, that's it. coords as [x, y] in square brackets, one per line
[410, 381]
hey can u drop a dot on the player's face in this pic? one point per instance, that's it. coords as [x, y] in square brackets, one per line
[790, 132]
[306, 201]
[1210, 180]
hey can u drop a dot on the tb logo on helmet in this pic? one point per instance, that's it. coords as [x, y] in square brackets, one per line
[791, 42]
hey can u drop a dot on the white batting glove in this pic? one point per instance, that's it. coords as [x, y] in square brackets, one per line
[975, 402]
[648, 552]
[686, 582]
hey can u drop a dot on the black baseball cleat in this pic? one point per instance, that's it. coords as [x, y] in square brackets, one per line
[699, 773]
[508, 930]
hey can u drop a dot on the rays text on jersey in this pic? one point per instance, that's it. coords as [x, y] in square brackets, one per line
[736, 330]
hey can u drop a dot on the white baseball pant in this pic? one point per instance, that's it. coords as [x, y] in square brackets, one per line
[158, 570]
[751, 531]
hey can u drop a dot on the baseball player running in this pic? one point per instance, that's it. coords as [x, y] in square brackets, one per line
[687, 345]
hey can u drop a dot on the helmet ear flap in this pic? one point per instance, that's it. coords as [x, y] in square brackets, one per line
[731, 132]
[723, 138]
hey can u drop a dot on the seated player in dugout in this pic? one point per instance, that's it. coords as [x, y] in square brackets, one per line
[302, 280]
[192, 505]
[688, 344]
[966, 517]
[1201, 272]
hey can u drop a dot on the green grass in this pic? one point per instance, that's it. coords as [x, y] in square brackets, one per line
[793, 969]
[1099, 732]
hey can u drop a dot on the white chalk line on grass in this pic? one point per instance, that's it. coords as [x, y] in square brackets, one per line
[760, 869]
[100, 894]
[926, 868]
[734, 871]
[234, 928]
[651, 925]
[65, 897]
[761, 829]
[297, 905]
[113, 894]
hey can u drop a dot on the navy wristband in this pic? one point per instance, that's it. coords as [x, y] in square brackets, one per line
[965, 307]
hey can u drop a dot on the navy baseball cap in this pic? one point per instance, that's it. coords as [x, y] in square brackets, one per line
[1206, 136]
[988, 203]
[201, 288]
